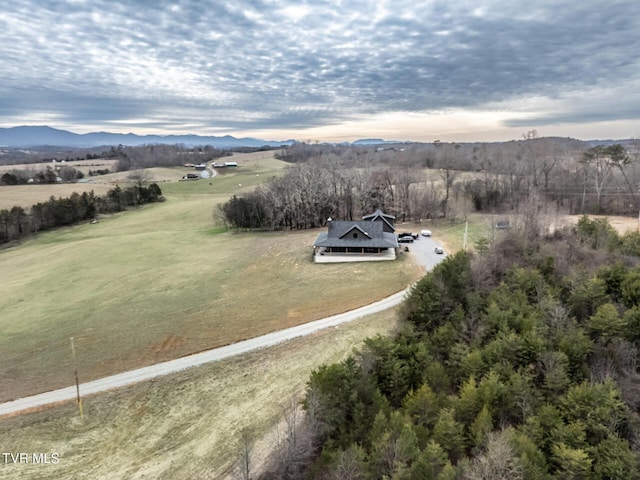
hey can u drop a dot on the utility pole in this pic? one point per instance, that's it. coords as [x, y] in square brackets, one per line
[75, 371]
[464, 239]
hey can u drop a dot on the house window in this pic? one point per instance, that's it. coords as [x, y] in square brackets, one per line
[355, 235]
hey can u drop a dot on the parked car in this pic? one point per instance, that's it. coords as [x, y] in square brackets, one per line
[405, 239]
[425, 233]
[439, 250]
[415, 236]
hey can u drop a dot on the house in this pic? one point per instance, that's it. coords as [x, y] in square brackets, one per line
[356, 241]
[230, 164]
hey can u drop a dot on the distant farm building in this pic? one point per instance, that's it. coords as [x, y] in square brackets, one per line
[371, 239]
[230, 164]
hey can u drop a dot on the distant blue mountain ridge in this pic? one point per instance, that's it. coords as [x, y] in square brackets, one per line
[35, 136]
[40, 136]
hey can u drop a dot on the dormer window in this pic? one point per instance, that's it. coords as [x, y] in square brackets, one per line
[355, 235]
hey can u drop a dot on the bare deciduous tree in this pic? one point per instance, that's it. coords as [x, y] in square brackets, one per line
[497, 462]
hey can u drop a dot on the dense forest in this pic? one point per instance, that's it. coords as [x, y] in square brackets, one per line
[425, 181]
[515, 362]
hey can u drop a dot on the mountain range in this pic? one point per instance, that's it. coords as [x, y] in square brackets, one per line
[44, 136]
[36, 136]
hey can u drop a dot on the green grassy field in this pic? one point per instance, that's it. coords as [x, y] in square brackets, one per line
[161, 282]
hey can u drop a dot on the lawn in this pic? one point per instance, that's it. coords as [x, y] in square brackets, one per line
[161, 282]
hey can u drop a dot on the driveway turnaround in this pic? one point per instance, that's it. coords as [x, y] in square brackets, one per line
[423, 252]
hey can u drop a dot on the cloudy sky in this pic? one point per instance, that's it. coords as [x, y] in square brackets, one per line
[327, 70]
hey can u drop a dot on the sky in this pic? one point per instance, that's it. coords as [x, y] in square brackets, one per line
[324, 70]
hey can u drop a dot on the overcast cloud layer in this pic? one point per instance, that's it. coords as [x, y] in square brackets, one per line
[286, 66]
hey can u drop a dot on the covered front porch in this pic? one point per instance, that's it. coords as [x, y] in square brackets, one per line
[352, 254]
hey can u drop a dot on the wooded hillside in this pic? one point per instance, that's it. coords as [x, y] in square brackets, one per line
[516, 363]
[415, 182]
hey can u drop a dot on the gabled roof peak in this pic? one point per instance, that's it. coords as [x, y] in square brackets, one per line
[355, 227]
[378, 213]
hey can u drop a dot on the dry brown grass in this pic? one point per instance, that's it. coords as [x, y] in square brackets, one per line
[158, 302]
[82, 165]
[183, 426]
[160, 282]
[26, 196]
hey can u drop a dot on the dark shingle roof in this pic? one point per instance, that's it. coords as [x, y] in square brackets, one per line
[370, 234]
[380, 215]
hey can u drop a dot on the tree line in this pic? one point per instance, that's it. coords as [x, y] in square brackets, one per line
[161, 155]
[22, 176]
[516, 363]
[309, 193]
[17, 223]
[345, 182]
[564, 174]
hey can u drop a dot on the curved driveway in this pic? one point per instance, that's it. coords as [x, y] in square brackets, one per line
[421, 250]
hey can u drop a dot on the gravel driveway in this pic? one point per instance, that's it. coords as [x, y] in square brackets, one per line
[422, 252]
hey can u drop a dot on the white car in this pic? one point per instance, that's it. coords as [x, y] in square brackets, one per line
[439, 250]
[425, 233]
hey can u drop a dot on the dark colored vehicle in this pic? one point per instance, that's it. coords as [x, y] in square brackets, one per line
[408, 239]
[415, 236]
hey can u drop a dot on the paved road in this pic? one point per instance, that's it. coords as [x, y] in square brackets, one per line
[422, 250]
